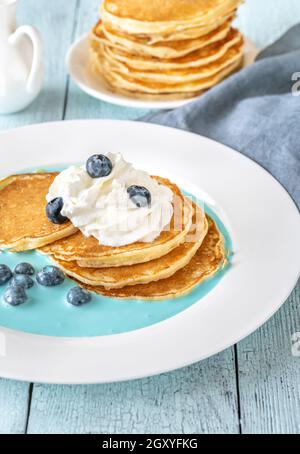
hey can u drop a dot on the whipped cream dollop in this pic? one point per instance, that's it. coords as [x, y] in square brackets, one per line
[102, 208]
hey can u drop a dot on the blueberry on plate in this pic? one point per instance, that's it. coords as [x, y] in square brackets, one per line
[139, 195]
[50, 276]
[24, 268]
[77, 296]
[22, 280]
[53, 211]
[98, 166]
[14, 296]
[5, 274]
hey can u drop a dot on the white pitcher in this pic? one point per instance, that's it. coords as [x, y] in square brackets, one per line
[21, 68]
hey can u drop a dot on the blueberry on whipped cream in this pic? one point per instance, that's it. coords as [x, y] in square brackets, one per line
[139, 195]
[104, 208]
[99, 166]
[53, 211]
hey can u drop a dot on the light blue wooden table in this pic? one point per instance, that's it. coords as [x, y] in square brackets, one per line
[253, 387]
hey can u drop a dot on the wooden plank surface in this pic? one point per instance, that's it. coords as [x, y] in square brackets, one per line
[144, 405]
[264, 21]
[14, 399]
[268, 374]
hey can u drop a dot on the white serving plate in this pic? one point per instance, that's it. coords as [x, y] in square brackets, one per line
[262, 219]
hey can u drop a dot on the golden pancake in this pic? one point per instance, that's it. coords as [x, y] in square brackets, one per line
[142, 273]
[89, 253]
[190, 33]
[24, 224]
[127, 83]
[178, 75]
[154, 17]
[197, 58]
[169, 49]
[209, 258]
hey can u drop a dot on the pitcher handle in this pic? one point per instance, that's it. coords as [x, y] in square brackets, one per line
[34, 75]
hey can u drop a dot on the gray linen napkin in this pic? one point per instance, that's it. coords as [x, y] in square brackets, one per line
[254, 112]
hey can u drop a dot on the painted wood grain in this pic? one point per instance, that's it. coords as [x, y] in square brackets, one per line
[198, 399]
[201, 398]
[55, 21]
[13, 406]
[269, 375]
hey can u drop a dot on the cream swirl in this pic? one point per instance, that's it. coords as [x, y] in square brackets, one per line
[101, 207]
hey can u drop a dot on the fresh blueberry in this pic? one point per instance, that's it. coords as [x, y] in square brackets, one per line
[139, 195]
[5, 274]
[50, 276]
[15, 296]
[24, 268]
[21, 280]
[98, 166]
[53, 211]
[77, 296]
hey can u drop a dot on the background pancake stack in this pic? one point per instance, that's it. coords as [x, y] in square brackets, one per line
[163, 49]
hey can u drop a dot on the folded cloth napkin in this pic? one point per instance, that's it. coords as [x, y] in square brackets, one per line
[256, 111]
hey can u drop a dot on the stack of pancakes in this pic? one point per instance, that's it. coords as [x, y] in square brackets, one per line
[170, 48]
[190, 250]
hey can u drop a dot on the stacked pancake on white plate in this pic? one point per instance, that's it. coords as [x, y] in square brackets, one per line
[174, 48]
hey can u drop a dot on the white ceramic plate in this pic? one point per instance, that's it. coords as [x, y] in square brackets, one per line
[78, 68]
[263, 222]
